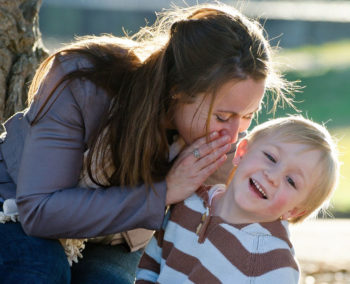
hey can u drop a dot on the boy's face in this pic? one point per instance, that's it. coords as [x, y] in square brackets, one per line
[273, 179]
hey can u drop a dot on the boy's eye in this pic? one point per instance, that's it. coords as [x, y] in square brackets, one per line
[291, 181]
[272, 159]
[221, 118]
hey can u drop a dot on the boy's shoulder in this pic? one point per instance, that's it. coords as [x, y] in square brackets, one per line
[276, 229]
[192, 209]
[207, 192]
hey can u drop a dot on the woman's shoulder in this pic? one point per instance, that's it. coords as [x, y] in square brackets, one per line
[53, 84]
[70, 62]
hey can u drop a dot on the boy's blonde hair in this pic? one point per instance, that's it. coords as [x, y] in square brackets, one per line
[296, 129]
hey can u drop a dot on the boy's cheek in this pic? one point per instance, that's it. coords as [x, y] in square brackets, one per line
[280, 205]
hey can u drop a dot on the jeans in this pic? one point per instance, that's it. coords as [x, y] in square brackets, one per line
[106, 264]
[31, 260]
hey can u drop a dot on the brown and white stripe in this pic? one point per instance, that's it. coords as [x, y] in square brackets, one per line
[248, 253]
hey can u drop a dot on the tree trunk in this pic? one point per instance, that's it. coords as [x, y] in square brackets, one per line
[21, 50]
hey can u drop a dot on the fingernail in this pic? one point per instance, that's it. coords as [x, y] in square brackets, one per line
[226, 138]
[226, 147]
[223, 132]
[214, 134]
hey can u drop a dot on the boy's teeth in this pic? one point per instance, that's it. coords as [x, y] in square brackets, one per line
[259, 188]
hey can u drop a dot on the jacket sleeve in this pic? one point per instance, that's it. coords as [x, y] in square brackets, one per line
[50, 202]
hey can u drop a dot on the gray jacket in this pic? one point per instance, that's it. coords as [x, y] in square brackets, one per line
[40, 164]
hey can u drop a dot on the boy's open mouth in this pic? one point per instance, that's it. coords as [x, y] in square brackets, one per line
[257, 188]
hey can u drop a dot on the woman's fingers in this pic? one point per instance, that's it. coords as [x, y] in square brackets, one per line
[198, 158]
[214, 148]
[201, 148]
[206, 172]
[200, 142]
[213, 156]
[182, 181]
[189, 172]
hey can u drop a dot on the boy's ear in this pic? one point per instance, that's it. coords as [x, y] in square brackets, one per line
[241, 150]
[293, 213]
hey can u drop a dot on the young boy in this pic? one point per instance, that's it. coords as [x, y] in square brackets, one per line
[285, 170]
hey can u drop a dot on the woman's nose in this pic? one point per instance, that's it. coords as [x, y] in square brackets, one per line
[233, 130]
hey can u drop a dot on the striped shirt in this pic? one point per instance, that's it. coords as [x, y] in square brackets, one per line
[220, 253]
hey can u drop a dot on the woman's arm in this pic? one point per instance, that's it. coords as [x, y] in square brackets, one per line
[49, 201]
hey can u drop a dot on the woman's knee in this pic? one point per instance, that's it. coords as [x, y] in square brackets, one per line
[30, 259]
[112, 264]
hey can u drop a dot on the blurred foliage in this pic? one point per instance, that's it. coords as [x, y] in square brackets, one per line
[324, 97]
[323, 73]
[341, 200]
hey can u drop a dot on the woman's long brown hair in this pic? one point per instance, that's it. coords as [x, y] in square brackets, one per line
[188, 51]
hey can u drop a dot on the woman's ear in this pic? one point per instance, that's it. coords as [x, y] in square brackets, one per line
[176, 96]
[240, 151]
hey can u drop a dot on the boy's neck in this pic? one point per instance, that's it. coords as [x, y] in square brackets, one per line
[223, 206]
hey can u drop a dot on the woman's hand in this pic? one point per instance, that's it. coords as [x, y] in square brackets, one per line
[189, 172]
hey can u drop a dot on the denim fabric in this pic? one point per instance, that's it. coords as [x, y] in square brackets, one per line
[30, 260]
[7, 186]
[106, 264]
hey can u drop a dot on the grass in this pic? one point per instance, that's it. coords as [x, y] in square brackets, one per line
[324, 73]
[311, 58]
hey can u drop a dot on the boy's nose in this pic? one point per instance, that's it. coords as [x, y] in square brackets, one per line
[273, 176]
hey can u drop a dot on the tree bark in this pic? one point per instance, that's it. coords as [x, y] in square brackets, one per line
[21, 50]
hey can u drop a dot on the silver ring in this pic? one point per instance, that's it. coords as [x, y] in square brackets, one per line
[196, 153]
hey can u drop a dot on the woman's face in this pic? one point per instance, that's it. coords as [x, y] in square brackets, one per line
[233, 109]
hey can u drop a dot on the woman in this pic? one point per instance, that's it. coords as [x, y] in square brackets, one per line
[91, 155]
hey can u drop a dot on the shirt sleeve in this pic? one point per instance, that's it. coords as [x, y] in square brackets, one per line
[274, 261]
[289, 276]
[149, 267]
[50, 202]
